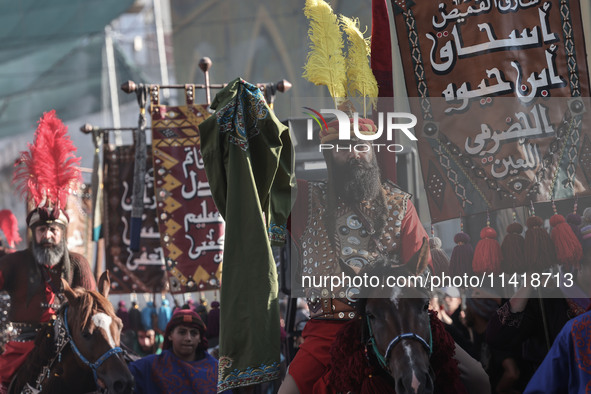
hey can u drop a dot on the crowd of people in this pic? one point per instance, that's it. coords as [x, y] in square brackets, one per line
[515, 338]
[524, 343]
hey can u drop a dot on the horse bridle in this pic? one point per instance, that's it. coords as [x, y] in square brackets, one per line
[93, 366]
[383, 360]
[62, 338]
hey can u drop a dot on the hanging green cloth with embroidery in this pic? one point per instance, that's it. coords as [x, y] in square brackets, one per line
[249, 163]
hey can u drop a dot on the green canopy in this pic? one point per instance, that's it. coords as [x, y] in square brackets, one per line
[51, 57]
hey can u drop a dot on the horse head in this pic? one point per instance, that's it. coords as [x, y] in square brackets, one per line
[396, 322]
[95, 332]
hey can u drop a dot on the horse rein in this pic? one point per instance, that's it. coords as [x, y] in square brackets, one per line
[383, 360]
[62, 338]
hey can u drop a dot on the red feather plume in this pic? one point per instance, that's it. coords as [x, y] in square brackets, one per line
[50, 169]
[9, 226]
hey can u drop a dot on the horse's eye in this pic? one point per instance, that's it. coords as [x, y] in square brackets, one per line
[86, 334]
[370, 316]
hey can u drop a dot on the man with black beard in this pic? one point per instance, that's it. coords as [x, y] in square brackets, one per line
[33, 279]
[356, 218]
[353, 217]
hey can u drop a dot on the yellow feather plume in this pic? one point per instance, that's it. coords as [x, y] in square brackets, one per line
[326, 62]
[362, 82]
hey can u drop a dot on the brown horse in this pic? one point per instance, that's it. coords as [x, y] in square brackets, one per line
[79, 352]
[395, 330]
[397, 323]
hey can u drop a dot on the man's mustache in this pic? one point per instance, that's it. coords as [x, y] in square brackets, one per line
[352, 163]
[45, 242]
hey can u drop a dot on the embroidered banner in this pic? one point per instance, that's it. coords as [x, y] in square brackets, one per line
[500, 89]
[143, 271]
[191, 228]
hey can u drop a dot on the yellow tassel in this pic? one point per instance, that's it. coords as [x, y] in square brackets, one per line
[326, 63]
[362, 82]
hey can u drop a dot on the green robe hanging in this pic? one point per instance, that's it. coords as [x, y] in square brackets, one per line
[249, 164]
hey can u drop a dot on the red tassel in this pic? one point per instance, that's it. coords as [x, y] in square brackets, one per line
[460, 262]
[568, 248]
[438, 256]
[512, 249]
[487, 255]
[349, 365]
[539, 248]
[378, 383]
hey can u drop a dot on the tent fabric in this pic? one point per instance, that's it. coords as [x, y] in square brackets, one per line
[51, 57]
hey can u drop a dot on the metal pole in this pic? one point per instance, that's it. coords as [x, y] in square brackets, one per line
[113, 91]
[160, 45]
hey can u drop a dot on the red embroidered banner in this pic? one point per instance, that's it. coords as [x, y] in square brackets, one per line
[191, 228]
[142, 271]
[500, 89]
